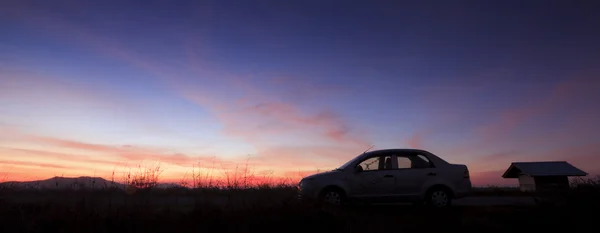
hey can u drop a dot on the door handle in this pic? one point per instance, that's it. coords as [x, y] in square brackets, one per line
[431, 174]
[388, 176]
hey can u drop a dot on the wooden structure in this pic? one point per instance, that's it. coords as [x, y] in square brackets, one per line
[539, 176]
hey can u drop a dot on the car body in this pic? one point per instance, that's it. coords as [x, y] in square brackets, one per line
[390, 175]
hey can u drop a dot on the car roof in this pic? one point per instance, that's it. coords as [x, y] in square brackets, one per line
[396, 150]
[432, 157]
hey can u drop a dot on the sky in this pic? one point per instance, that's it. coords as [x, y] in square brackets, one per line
[289, 88]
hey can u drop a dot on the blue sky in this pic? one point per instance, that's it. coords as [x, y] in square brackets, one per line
[299, 85]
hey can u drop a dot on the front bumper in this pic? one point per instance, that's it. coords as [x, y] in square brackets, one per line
[307, 193]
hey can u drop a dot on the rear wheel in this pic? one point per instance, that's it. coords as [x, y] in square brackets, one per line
[439, 197]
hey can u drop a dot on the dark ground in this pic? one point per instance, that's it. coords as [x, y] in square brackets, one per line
[275, 210]
[56, 218]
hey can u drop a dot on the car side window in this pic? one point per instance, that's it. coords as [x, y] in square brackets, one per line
[403, 162]
[370, 164]
[420, 161]
[412, 161]
[376, 163]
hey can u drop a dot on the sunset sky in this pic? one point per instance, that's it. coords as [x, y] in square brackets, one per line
[292, 87]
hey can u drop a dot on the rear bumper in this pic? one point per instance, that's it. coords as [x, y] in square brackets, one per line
[463, 189]
[461, 194]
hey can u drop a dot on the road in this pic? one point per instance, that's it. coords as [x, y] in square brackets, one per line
[494, 201]
[223, 201]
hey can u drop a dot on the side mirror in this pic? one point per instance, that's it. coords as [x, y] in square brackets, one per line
[358, 169]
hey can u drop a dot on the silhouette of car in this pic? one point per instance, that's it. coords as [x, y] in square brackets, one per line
[390, 175]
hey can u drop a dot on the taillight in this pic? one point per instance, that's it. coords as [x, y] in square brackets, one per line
[466, 173]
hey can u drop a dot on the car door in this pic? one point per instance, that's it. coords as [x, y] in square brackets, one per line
[374, 178]
[411, 173]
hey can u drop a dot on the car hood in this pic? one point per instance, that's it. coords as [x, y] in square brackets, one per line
[323, 174]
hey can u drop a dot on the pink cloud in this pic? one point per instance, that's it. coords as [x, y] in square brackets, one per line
[512, 118]
[259, 123]
[285, 114]
[74, 144]
[307, 156]
[416, 140]
[65, 157]
[557, 98]
[255, 110]
[34, 164]
[118, 154]
[311, 139]
[111, 156]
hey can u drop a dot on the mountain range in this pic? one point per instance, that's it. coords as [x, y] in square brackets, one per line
[83, 182]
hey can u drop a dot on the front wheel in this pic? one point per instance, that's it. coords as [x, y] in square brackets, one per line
[332, 197]
[439, 198]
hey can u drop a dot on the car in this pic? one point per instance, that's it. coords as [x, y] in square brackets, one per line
[389, 175]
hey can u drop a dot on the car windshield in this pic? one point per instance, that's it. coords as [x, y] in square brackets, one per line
[345, 165]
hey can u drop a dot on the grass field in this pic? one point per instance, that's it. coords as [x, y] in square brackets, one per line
[275, 209]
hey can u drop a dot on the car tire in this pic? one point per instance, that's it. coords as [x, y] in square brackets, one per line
[439, 198]
[332, 197]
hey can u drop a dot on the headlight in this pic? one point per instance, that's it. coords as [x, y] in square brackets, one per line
[304, 182]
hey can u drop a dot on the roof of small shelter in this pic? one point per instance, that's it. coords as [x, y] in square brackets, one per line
[546, 168]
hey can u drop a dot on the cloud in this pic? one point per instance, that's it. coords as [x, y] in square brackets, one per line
[562, 97]
[510, 119]
[285, 116]
[300, 156]
[115, 154]
[416, 140]
[61, 157]
[75, 144]
[34, 164]
[82, 155]
[267, 125]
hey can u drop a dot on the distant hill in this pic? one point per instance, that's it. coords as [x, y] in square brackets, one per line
[64, 183]
[83, 182]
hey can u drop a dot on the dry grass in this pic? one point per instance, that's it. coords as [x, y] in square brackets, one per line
[144, 177]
